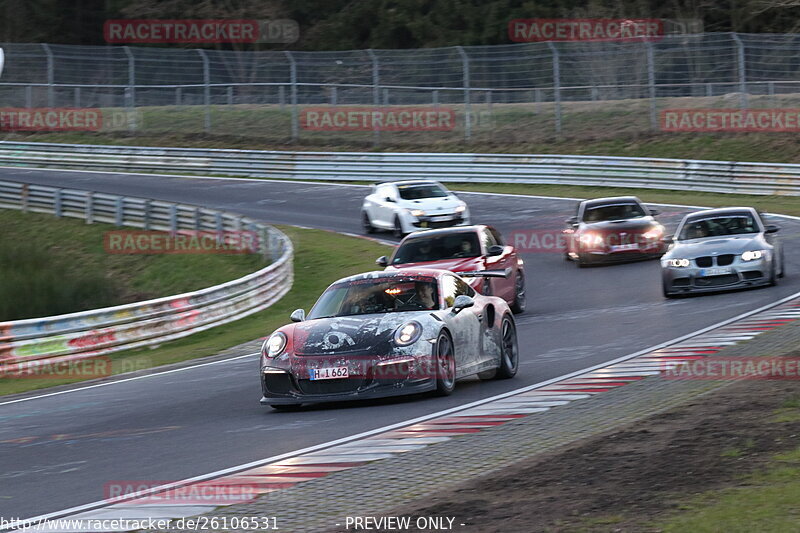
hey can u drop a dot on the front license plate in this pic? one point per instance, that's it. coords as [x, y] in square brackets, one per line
[622, 247]
[335, 372]
[715, 271]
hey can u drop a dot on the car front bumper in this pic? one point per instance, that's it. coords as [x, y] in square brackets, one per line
[447, 220]
[692, 279]
[373, 378]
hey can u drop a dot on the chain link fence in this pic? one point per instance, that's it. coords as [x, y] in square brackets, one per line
[504, 93]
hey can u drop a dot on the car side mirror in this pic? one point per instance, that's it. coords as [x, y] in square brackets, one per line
[382, 261]
[654, 211]
[668, 239]
[462, 301]
[298, 315]
[772, 228]
[389, 199]
[572, 221]
[495, 249]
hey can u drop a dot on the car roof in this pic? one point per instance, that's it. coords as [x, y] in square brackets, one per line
[444, 231]
[720, 211]
[388, 274]
[611, 200]
[407, 182]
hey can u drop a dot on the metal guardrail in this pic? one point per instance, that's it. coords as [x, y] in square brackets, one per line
[90, 333]
[688, 175]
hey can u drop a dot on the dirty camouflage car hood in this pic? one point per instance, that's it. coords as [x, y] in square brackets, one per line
[358, 334]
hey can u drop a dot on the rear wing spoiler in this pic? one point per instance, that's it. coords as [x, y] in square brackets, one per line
[486, 273]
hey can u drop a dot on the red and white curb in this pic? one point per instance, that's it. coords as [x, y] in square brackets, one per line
[280, 473]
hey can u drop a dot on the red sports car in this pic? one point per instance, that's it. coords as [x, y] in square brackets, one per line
[465, 249]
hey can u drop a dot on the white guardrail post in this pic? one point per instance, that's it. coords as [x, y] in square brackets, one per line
[636, 172]
[74, 336]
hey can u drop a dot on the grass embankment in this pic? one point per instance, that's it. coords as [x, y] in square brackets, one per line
[51, 266]
[613, 128]
[764, 501]
[320, 258]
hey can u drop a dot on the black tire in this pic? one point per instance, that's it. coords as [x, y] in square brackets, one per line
[398, 228]
[520, 298]
[783, 266]
[366, 223]
[445, 365]
[509, 359]
[773, 275]
[581, 261]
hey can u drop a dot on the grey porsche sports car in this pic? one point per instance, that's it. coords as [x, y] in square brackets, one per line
[720, 249]
[387, 334]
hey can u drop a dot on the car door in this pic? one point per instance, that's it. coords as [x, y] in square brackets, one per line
[466, 326]
[502, 287]
[383, 206]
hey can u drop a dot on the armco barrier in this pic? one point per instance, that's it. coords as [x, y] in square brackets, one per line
[101, 331]
[692, 175]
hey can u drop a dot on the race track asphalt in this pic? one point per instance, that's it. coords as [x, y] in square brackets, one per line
[61, 451]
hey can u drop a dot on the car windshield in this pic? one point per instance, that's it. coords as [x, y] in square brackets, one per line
[718, 226]
[422, 190]
[379, 295]
[438, 248]
[606, 212]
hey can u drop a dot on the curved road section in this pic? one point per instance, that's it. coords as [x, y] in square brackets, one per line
[61, 451]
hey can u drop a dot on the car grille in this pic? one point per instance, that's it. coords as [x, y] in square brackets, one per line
[705, 261]
[329, 386]
[435, 224]
[725, 260]
[277, 383]
[715, 281]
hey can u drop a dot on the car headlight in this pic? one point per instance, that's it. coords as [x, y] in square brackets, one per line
[752, 255]
[654, 233]
[678, 263]
[408, 333]
[592, 239]
[461, 209]
[417, 212]
[274, 345]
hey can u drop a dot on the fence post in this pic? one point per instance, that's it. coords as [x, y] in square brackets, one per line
[24, 196]
[206, 90]
[89, 207]
[77, 102]
[651, 84]
[173, 217]
[230, 94]
[120, 214]
[178, 96]
[376, 92]
[742, 72]
[51, 75]
[147, 215]
[467, 108]
[435, 98]
[130, 101]
[556, 86]
[293, 97]
[57, 203]
[334, 96]
[28, 96]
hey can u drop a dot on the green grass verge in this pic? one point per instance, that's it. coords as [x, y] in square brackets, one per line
[767, 502]
[51, 266]
[321, 257]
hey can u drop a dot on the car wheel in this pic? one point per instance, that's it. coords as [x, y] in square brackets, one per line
[520, 299]
[509, 357]
[398, 228]
[445, 365]
[773, 276]
[581, 261]
[366, 223]
[783, 266]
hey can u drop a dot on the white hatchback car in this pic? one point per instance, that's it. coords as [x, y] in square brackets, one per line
[407, 206]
